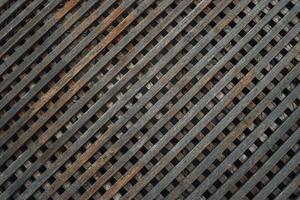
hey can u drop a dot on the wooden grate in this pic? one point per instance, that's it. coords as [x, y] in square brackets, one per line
[149, 99]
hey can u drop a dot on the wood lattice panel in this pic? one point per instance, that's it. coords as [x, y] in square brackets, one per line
[149, 99]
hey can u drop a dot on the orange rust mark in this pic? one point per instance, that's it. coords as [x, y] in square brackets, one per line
[67, 7]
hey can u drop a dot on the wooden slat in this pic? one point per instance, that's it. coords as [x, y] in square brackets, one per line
[236, 110]
[181, 145]
[17, 20]
[30, 42]
[149, 99]
[290, 189]
[11, 10]
[77, 107]
[258, 154]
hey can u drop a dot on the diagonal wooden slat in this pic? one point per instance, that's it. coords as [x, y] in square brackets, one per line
[164, 140]
[30, 42]
[290, 189]
[15, 22]
[11, 10]
[225, 123]
[77, 107]
[149, 99]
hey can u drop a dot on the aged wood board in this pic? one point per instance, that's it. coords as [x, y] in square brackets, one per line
[149, 99]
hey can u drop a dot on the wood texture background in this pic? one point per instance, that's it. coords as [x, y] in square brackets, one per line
[149, 99]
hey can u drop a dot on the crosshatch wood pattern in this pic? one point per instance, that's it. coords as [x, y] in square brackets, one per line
[149, 99]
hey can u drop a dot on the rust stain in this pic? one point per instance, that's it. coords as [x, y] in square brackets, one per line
[67, 7]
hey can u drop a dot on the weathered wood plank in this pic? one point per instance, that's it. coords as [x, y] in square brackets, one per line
[31, 41]
[149, 99]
